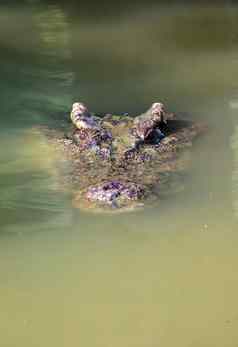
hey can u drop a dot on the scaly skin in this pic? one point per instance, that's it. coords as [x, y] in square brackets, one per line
[118, 162]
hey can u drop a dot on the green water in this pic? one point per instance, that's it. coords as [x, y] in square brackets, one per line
[164, 276]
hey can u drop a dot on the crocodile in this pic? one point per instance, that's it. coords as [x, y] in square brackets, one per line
[120, 162]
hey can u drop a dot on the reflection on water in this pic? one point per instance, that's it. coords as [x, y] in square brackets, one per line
[162, 276]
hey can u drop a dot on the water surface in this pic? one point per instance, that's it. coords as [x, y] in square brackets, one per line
[163, 276]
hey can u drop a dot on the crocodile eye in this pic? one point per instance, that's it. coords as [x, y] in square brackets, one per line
[157, 108]
[82, 108]
[75, 105]
[79, 107]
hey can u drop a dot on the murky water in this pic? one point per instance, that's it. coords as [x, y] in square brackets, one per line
[164, 276]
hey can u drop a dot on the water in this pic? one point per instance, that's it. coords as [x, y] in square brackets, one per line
[159, 277]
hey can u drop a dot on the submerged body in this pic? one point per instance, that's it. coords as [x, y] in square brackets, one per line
[119, 162]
